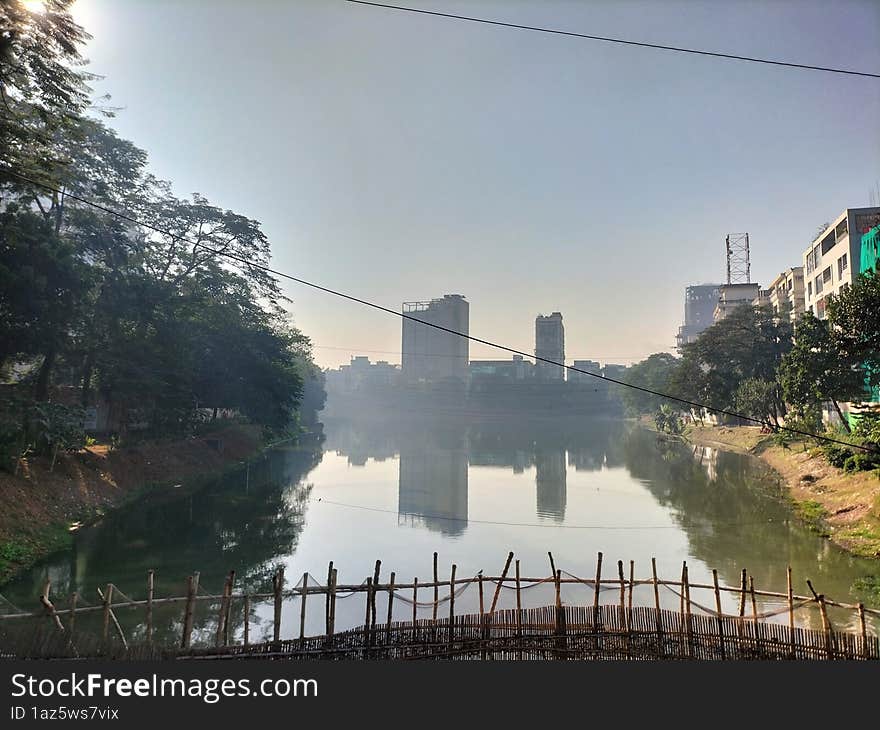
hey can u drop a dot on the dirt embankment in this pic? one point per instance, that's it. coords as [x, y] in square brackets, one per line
[39, 506]
[844, 506]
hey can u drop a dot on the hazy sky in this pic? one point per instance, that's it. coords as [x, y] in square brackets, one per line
[400, 157]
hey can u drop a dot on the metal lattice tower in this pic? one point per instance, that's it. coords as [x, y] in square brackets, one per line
[738, 266]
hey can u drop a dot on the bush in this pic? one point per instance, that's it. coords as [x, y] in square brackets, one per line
[837, 454]
[862, 461]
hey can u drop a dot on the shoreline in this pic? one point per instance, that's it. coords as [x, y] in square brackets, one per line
[45, 508]
[843, 507]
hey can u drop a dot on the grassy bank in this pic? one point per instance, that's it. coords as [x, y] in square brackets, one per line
[42, 508]
[843, 506]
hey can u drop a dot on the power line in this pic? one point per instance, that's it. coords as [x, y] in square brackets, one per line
[402, 315]
[621, 41]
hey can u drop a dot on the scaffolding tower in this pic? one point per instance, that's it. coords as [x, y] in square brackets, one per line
[738, 266]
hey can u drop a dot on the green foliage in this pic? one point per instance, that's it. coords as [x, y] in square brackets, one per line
[837, 455]
[653, 373]
[854, 314]
[862, 461]
[667, 420]
[757, 398]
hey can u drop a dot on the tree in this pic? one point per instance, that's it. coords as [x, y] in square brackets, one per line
[854, 315]
[819, 369]
[652, 373]
[757, 398]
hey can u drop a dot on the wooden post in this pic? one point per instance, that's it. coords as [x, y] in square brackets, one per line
[302, 605]
[376, 573]
[327, 596]
[791, 645]
[661, 649]
[247, 618]
[687, 594]
[552, 564]
[192, 588]
[415, 599]
[518, 613]
[366, 641]
[826, 623]
[755, 626]
[742, 594]
[390, 604]
[436, 587]
[105, 625]
[278, 587]
[863, 630]
[598, 582]
[622, 591]
[480, 587]
[452, 605]
[74, 598]
[557, 579]
[50, 609]
[223, 612]
[501, 582]
[332, 588]
[113, 615]
[228, 608]
[720, 615]
[561, 628]
[150, 577]
[632, 580]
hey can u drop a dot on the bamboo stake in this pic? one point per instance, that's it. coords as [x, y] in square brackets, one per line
[106, 597]
[228, 609]
[278, 587]
[826, 623]
[552, 564]
[790, 615]
[480, 586]
[50, 609]
[327, 601]
[332, 587]
[598, 581]
[452, 605]
[415, 599]
[436, 587]
[518, 613]
[561, 628]
[720, 616]
[661, 648]
[74, 598]
[687, 594]
[366, 641]
[629, 602]
[755, 625]
[113, 615]
[247, 618]
[390, 603]
[192, 585]
[376, 574]
[622, 590]
[150, 577]
[862, 627]
[222, 611]
[302, 605]
[556, 579]
[500, 582]
[742, 595]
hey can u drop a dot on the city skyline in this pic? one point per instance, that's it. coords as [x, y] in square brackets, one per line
[531, 172]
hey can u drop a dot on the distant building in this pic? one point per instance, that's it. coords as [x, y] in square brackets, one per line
[786, 293]
[428, 353]
[613, 371]
[361, 375]
[516, 369]
[763, 298]
[830, 260]
[731, 296]
[550, 345]
[699, 309]
[588, 366]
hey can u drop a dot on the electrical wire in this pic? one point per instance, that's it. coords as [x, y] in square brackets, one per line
[621, 41]
[402, 315]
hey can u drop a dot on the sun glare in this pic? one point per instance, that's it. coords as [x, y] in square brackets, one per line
[34, 6]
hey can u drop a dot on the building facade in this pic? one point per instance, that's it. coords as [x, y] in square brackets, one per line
[429, 354]
[731, 296]
[832, 257]
[699, 309]
[550, 345]
[588, 366]
[514, 370]
[786, 293]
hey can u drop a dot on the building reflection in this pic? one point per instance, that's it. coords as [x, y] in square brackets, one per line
[550, 483]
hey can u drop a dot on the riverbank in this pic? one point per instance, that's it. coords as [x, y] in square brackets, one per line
[845, 507]
[41, 508]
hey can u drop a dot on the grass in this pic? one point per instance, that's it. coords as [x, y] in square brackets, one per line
[867, 588]
[813, 514]
[20, 553]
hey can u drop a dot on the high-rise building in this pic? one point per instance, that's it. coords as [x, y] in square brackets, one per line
[731, 296]
[699, 308]
[428, 353]
[787, 293]
[584, 366]
[830, 260]
[550, 345]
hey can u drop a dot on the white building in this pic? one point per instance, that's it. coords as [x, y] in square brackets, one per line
[834, 255]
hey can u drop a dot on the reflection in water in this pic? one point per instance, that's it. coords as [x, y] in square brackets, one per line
[472, 490]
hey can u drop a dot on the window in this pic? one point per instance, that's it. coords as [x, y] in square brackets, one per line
[828, 243]
[790, 283]
[842, 263]
[810, 292]
[818, 283]
[826, 275]
[841, 231]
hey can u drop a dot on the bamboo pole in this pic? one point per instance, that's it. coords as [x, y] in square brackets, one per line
[687, 594]
[50, 608]
[332, 590]
[480, 587]
[862, 626]
[451, 605]
[661, 648]
[500, 582]
[367, 616]
[826, 623]
[556, 579]
[518, 614]
[192, 589]
[228, 609]
[720, 616]
[222, 611]
[791, 644]
[415, 599]
[247, 618]
[278, 588]
[105, 624]
[150, 579]
[561, 628]
[327, 597]
[629, 602]
[376, 574]
[302, 605]
[742, 595]
[622, 591]
[598, 581]
[74, 598]
[113, 615]
[390, 604]
[436, 587]
[755, 625]
[552, 564]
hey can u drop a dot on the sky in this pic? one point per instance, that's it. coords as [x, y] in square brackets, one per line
[399, 157]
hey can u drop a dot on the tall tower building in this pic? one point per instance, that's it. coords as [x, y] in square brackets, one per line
[428, 353]
[549, 344]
